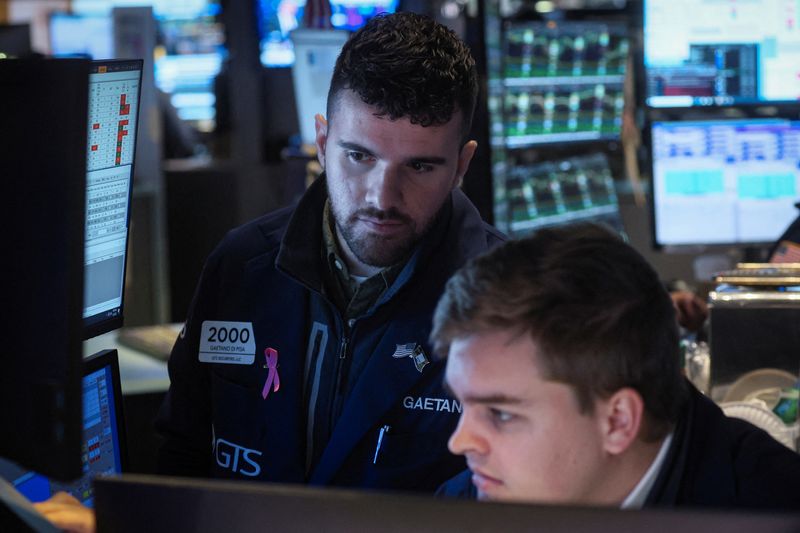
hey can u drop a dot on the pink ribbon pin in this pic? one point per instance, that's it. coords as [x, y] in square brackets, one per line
[273, 379]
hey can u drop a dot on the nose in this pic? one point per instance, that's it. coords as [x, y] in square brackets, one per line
[467, 438]
[384, 188]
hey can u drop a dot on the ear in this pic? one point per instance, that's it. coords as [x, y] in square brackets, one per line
[321, 128]
[620, 418]
[464, 158]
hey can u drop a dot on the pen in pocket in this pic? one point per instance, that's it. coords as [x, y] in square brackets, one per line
[384, 430]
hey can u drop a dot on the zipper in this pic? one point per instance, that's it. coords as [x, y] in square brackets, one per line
[342, 366]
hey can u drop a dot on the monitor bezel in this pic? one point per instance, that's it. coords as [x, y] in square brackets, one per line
[93, 328]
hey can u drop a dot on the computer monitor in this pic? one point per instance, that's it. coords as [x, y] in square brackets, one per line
[707, 52]
[114, 88]
[563, 81]
[43, 110]
[15, 40]
[725, 182]
[277, 18]
[103, 447]
[189, 57]
[71, 34]
[577, 189]
[183, 504]
[315, 58]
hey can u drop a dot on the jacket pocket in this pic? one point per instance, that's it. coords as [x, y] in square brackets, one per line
[238, 428]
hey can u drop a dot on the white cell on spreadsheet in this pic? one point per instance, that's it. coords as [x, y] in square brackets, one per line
[107, 202]
[112, 120]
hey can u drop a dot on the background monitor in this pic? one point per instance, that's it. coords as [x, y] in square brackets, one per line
[114, 88]
[316, 52]
[563, 82]
[43, 110]
[15, 40]
[707, 52]
[91, 36]
[577, 189]
[189, 55]
[103, 445]
[724, 181]
[279, 17]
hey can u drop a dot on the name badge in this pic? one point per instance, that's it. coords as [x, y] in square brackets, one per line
[231, 343]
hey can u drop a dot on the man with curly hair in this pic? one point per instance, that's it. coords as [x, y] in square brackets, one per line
[305, 356]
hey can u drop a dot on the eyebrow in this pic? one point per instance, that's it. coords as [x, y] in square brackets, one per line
[487, 399]
[353, 146]
[430, 160]
[493, 399]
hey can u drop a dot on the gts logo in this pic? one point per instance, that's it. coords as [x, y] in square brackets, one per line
[233, 457]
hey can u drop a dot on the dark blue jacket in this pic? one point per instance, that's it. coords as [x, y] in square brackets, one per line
[714, 461]
[215, 420]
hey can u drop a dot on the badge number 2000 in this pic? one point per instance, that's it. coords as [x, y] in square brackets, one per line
[230, 343]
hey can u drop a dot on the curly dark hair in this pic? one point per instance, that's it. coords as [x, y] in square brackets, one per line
[408, 66]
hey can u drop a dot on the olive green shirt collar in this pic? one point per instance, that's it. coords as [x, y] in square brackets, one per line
[350, 296]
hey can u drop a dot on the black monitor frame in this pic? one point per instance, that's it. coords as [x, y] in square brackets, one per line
[183, 504]
[93, 325]
[43, 109]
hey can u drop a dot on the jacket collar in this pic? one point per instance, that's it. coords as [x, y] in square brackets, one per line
[456, 235]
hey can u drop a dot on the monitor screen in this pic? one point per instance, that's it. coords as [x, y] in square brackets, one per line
[708, 52]
[188, 58]
[577, 189]
[43, 109]
[278, 17]
[103, 436]
[113, 114]
[724, 181]
[189, 54]
[91, 36]
[562, 82]
[15, 40]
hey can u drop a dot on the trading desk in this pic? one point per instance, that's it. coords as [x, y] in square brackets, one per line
[140, 373]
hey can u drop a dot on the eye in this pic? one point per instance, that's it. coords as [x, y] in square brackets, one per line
[499, 416]
[356, 157]
[421, 167]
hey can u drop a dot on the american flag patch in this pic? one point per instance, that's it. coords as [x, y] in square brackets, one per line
[404, 350]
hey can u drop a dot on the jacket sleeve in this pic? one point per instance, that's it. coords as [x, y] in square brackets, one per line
[184, 420]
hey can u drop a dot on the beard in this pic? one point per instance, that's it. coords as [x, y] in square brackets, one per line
[374, 249]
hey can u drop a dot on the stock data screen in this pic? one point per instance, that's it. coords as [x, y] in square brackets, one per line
[113, 108]
[714, 52]
[563, 82]
[560, 192]
[724, 182]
